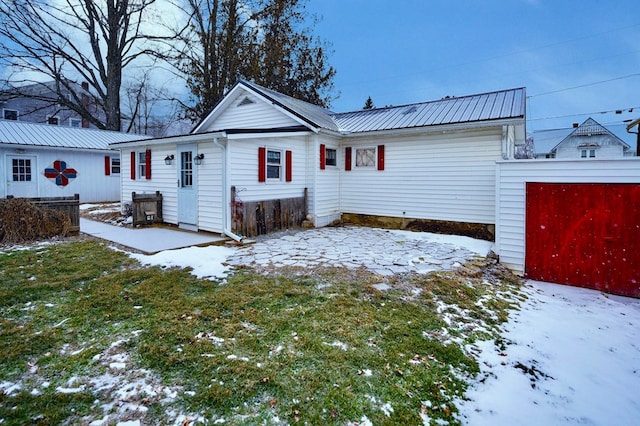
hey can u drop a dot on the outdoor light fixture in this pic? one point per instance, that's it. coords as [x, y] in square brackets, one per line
[199, 158]
[168, 159]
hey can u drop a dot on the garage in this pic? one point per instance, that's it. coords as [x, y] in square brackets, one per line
[584, 234]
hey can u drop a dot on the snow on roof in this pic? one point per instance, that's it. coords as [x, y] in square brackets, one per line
[33, 134]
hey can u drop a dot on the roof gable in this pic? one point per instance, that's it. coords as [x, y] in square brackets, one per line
[591, 133]
[252, 96]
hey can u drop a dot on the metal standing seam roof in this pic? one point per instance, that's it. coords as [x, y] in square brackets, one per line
[499, 105]
[34, 134]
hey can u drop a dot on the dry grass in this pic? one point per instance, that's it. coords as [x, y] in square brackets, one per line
[22, 221]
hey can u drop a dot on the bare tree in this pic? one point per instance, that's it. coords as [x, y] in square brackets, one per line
[71, 41]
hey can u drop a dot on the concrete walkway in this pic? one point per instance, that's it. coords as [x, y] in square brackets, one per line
[148, 240]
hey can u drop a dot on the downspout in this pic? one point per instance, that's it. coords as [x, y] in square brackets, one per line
[225, 203]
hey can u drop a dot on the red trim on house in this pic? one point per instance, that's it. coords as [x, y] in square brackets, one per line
[133, 165]
[347, 158]
[147, 159]
[323, 156]
[107, 165]
[262, 164]
[380, 157]
[289, 166]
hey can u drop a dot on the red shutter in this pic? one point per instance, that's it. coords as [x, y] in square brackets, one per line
[380, 157]
[107, 165]
[288, 165]
[323, 156]
[262, 164]
[133, 165]
[147, 159]
[347, 158]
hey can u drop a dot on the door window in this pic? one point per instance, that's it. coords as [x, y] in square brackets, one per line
[21, 169]
[186, 169]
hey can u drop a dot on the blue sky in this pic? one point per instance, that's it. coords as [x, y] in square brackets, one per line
[406, 51]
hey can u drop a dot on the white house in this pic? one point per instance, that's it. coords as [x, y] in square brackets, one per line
[427, 163]
[40, 160]
[585, 141]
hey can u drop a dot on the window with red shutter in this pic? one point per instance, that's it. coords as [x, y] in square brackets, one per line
[289, 166]
[133, 165]
[147, 156]
[323, 157]
[347, 158]
[380, 157]
[262, 164]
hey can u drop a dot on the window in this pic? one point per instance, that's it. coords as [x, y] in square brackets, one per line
[75, 122]
[186, 169]
[142, 164]
[583, 153]
[115, 166]
[331, 159]
[592, 153]
[274, 164]
[21, 169]
[54, 121]
[10, 114]
[365, 157]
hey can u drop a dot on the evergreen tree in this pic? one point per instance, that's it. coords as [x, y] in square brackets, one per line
[369, 104]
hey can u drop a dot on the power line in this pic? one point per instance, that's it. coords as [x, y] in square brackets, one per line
[630, 109]
[584, 85]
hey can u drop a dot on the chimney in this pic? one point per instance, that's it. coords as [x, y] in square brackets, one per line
[575, 125]
[85, 86]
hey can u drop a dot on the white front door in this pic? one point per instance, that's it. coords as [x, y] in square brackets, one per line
[187, 188]
[22, 176]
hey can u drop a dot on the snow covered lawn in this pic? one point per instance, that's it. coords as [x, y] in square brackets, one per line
[570, 356]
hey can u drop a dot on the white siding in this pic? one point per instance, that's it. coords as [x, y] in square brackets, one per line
[258, 114]
[446, 176]
[164, 178]
[512, 177]
[243, 167]
[210, 195]
[326, 207]
[91, 182]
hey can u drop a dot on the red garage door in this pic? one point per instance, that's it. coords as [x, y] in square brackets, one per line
[587, 235]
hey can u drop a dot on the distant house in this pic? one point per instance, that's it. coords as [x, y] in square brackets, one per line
[38, 103]
[39, 160]
[430, 163]
[587, 140]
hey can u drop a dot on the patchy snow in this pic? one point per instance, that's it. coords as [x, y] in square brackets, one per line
[571, 357]
[479, 247]
[206, 262]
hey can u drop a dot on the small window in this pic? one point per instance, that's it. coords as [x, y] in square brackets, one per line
[186, 169]
[274, 164]
[54, 121]
[365, 157]
[592, 153]
[21, 169]
[142, 164]
[75, 122]
[115, 166]
[331, 159]
[583, 153]
[10, 114]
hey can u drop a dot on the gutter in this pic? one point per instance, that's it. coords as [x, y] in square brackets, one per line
[225, 203]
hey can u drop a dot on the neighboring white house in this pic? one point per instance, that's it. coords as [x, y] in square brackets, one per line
[430, 161]
[39, 160]
[587, 140]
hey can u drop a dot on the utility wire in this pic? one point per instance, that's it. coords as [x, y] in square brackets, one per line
[584, 85]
